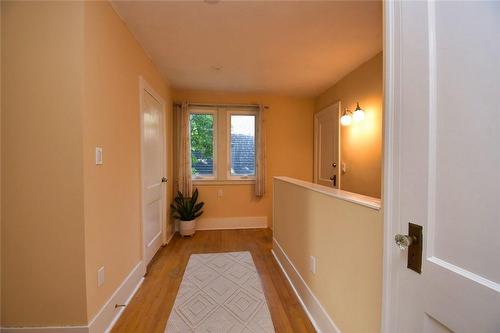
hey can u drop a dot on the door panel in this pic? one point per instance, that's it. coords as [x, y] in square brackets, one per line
[326, 149]
[466, 142]
[153, 166]
[152, 216]
[327, 146]
[444, 170]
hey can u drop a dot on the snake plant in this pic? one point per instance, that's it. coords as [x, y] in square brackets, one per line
[187, 209]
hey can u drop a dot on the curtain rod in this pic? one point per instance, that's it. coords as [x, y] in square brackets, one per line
[226, 105]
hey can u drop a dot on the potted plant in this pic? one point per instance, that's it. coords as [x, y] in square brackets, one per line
[187, 210]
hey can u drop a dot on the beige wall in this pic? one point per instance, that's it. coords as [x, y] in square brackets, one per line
[346, 239]
[361, 143]
[289, 134]
[43, 259]
[72, 84]
[113, 63]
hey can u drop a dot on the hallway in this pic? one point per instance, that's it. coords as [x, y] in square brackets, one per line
[149, 309]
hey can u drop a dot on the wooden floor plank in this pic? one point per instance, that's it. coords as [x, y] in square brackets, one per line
[149, 309]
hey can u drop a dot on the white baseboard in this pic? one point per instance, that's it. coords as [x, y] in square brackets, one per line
[51, 329]
[171, 236]
[313, 308]
[220, 223]
[106, 317]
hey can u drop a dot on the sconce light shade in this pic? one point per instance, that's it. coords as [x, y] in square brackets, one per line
[358, 114]
[346, 119]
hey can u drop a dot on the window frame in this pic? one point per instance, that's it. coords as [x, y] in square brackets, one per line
[212, 112]
[230, 113]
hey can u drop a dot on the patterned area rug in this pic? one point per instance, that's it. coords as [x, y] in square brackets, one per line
[220, 292]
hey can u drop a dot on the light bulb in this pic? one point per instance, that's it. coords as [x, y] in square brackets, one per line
[346, 120]
[358, 115]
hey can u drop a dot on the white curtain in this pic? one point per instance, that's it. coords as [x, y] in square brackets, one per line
[260, 155]
[185, 185]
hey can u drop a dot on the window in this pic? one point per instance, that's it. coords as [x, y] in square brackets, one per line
[242, 146]
[235, 155]
[203, 147]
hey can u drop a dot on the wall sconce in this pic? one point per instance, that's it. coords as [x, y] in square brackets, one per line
[348, 116]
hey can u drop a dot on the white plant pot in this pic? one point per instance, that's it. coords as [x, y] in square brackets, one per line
[187, 228]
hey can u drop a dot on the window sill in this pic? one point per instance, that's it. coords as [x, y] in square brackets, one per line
[200, 182]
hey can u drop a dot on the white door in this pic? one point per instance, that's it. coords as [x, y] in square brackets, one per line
[442, 165]
[326, 146]
[153, 171]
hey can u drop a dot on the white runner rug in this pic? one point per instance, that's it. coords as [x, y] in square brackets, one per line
[220, 292]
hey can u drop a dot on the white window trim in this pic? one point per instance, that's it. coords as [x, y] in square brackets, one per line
[212, 112]
[228, 145]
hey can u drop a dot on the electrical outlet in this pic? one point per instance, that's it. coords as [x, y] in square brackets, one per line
[100, 276]
[312, 264]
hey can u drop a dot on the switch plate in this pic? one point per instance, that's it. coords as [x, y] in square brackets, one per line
[100, 276]
[98, 156]
[344, 167]
[312, 264]
[220, 193]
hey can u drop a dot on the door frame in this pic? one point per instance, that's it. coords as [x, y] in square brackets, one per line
[316, 151]
[145, 87]
[391, 158]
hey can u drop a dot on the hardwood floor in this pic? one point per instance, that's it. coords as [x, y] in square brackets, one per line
[149, 309]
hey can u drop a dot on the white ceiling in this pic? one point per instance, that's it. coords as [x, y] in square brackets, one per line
[296, 47]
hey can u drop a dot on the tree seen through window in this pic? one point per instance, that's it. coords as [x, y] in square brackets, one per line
[202, 144]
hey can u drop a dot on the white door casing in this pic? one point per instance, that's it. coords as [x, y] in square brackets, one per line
[153, 169]
[442, 129]
[327, 146]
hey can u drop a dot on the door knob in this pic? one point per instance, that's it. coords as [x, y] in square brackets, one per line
[403, 241]
[413, 242]
[334, 164]
[164, 180]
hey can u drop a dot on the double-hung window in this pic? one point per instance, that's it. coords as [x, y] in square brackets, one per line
[232, 159]
[203, 130]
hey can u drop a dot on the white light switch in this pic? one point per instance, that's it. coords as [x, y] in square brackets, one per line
[98, 155]
[220, 193]
[100, 276]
